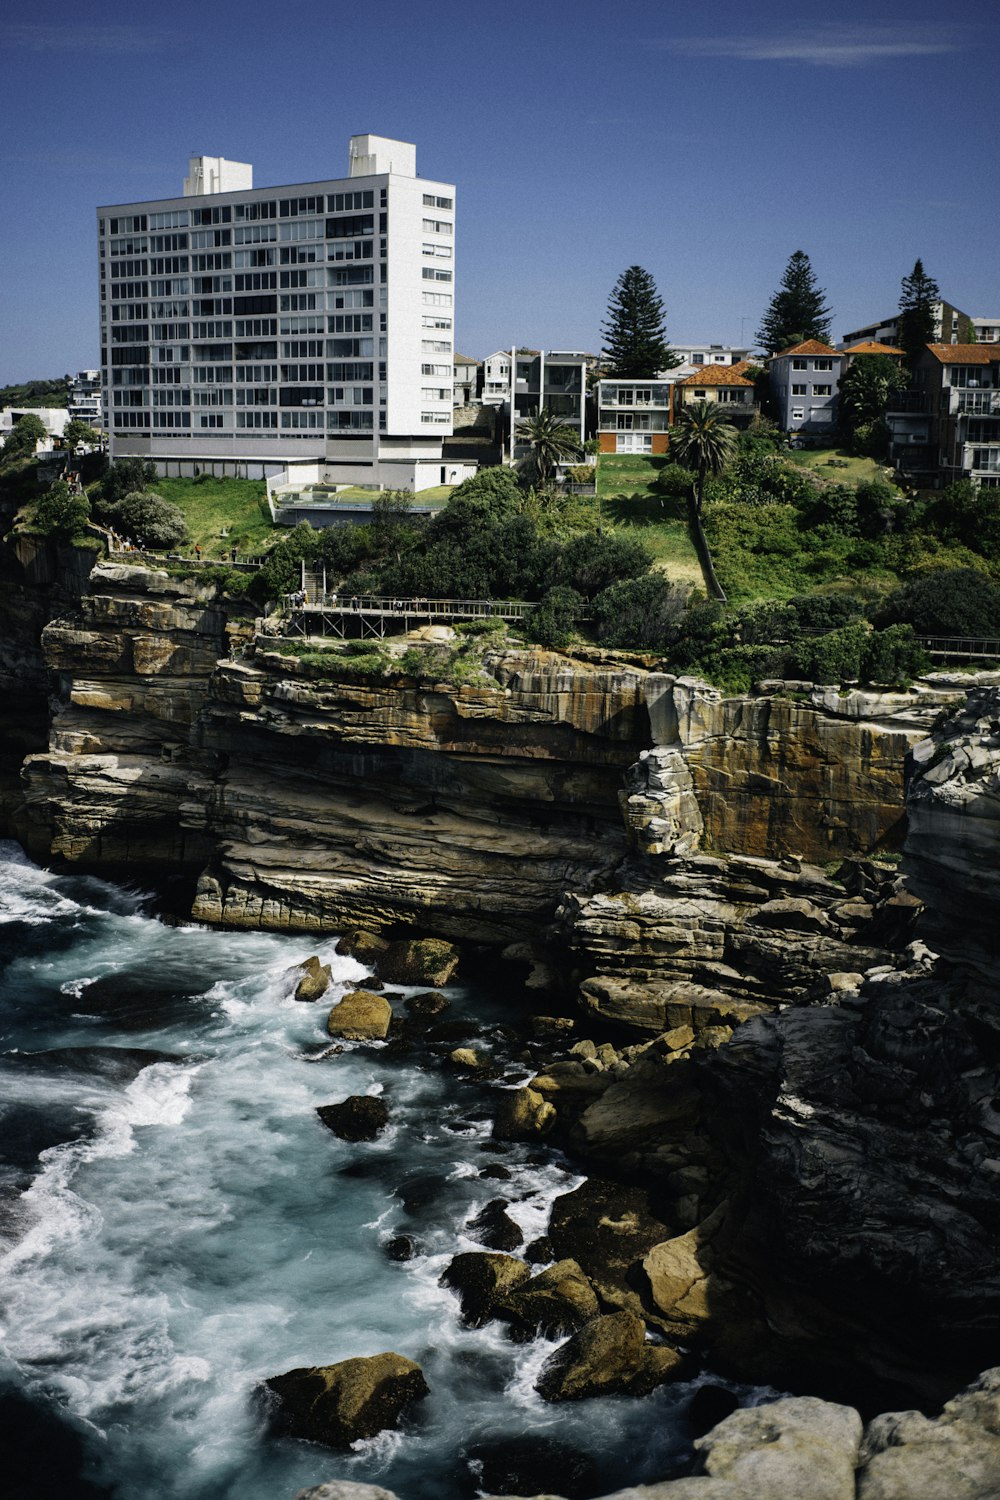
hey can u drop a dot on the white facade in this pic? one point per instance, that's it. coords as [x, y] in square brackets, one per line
[695, 357]
[496, 378]
[85, 403]
[242, 327]
[52, 418]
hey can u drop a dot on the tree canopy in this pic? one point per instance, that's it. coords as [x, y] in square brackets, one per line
[28, 431]
[634, 331]
[916, 327]
[865, 388]
[796, 311]
[550, 439]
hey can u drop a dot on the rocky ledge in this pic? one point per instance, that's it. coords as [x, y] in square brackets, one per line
[801, 1448]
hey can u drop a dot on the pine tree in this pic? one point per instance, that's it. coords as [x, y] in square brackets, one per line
[635, 339]
[796, 311]
[915, 329]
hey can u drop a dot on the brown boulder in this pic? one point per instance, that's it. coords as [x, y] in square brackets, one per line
[360, 1016]
[418, 961]
[366, 947]
[522, 1115]
[357, 1398]
[609, 1354]
[315, 980]
[559, 1300]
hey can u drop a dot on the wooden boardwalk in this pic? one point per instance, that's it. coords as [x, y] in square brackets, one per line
[378, 615]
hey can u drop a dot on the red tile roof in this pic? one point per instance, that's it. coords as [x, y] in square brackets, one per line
[965, 354]
[870, 346]
[716, 375]
[811, 346]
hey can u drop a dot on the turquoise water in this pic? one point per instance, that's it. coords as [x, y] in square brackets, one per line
[176, 1224]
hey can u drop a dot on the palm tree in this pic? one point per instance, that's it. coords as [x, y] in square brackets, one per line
[704, 442]
[550, 439]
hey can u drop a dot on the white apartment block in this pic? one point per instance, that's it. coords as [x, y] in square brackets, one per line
[694, 357]
[85, 403]
[247, 329]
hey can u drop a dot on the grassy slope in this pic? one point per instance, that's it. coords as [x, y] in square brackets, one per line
[627, 500]
[237, 506]
[846, 468]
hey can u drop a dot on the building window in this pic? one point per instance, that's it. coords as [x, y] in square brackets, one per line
[435, 416]
[822, 364]
[697, 359]
[822, 390]
[800, 364]
[798, 413]
[798, 390]
[430, 201]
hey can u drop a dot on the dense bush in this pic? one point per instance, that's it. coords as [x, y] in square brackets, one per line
[643, 612]
[947, 601]
[892, 656]
[147, 519]
[834, 657]
[59, 513]
[126, 476]
[553, 621]
[593, 561]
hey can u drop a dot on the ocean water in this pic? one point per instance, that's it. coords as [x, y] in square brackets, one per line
[176, 1224]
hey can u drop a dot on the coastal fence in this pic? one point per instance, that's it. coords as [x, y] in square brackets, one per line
[329, 614]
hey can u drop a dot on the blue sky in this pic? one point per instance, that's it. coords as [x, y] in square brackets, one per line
[704, 142]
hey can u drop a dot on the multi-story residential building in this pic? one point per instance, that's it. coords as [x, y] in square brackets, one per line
[947, 425]
[950, 325]
[804, 387]
[723, 385]
[869, 346]
[85, 403]
[496, 376]
[633, 416]
[244, 329]
[52, 418]
[698, 356]
[468, 374]
[556, 380]
[986, 330]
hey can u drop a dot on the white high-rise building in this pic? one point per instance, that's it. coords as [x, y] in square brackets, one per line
[243, 328]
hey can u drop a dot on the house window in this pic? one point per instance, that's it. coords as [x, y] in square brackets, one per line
[798, 413]
[697, 359]
[822, 364]
[799, 364]
[822, 390]
[798, 390]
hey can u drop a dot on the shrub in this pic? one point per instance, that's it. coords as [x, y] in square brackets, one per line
[58, 513]
[126, 476]
[640, 612]
[947, 601]
[148, 519]
[831, 658]
[553, 622]
[582, 474]
[821, 612]
[590, 563]
[891, 657]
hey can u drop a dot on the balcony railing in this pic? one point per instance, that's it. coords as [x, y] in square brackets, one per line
[974, 403]
[907, 401]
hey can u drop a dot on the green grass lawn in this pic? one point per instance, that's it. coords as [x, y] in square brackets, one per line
[211, 506]
[627, 500]
[437, 494]
[845, 467]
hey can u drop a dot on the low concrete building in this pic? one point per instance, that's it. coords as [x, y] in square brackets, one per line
[468, 380]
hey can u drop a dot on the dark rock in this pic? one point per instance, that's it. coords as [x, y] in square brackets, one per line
[371, 982]
[480, 1279]
[426, 1005]
[709, 1405]
[540, 1251]
[357, 1398]
[532, 1465]
[400, 1247]
[420, 1191]
[361, 1117]
[495, 1169]
[494, 1227]
[607, 1228]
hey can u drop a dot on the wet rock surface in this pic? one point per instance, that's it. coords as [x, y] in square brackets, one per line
[357, 1398]
[361, 1117]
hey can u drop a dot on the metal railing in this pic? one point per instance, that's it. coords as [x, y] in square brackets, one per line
[329, 613]
[984, 648]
